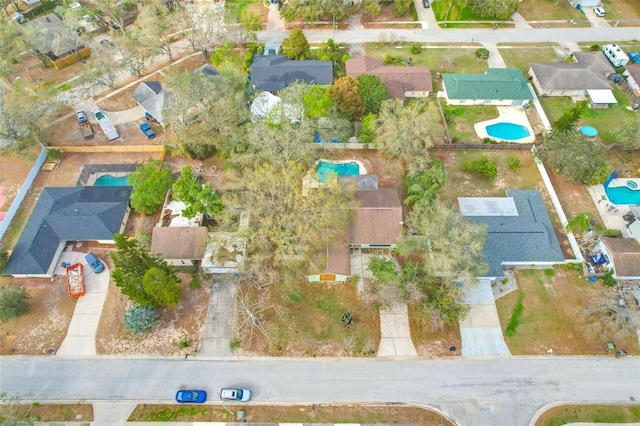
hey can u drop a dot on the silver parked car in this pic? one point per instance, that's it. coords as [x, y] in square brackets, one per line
[235, 394]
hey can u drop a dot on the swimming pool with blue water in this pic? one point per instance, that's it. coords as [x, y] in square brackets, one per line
[325, 168]
[623, 195]
[507, 131]
[109, 180]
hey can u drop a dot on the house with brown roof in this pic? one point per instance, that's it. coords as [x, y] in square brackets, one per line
[377, 224]
[623, 256]
[179, 246]
[402, 81]
[589, 71]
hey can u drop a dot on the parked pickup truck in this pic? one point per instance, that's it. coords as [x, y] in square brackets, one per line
[147, 130]
[85, 127]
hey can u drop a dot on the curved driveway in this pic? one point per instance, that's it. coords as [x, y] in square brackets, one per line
[491, 391]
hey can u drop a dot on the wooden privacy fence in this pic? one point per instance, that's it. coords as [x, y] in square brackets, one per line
[109, 148]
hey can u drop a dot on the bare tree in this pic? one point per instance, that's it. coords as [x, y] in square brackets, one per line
[605, 315]
[154, 25]
[102, 71]
[135, 57]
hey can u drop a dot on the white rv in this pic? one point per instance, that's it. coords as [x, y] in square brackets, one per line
[617, 57]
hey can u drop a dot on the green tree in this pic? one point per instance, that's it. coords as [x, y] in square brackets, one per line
[373, 92]
[332, 51]
[368, 129]
[345, 93]
[449, 248]
[150, 185]
[404, 132]
[570, 118]
[317, 102]
[140, 319]
[296, 46]
[371, 8]
[498, 9]
[289, 230]
[279, 145]
[400, 7]
[573, 155]
[385, 288]
[163, 286]
[4, 256]
[12, 412]
[448, 243]
[14, 302]
[580, 223]
[199, 198]
[421, 188]
[132, 262]
[482, 166]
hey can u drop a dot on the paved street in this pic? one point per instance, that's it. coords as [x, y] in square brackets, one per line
[509, 36]
[491, 391]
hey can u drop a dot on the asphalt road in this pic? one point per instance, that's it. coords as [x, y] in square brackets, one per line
[496, 391]
[508, 36]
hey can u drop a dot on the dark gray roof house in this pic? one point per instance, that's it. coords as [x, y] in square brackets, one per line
[590, 72]
[274, 72]
[79, 213]
[153, 98]
[207, 70]
[519, 230]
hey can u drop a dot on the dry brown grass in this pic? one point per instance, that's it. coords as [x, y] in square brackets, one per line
[318, 413]
[553, 316]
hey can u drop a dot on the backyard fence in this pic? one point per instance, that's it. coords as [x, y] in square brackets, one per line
[26, 186]
[86, 149]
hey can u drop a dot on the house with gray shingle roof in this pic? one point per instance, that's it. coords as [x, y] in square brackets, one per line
[519, 230]
[275, 72]
[67, 214]
[574, 79]
[153, 98]
[497, 86]
[401, 81]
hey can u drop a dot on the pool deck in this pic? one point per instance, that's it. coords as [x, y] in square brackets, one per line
[611, 214]
[508, 114]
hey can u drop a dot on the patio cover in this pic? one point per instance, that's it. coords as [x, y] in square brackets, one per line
[602, 96]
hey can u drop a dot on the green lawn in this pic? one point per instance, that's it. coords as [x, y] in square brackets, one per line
[522, 57]
[462, 118]
[545, 10]
[607, 120]
[558, 416]
[436, 58]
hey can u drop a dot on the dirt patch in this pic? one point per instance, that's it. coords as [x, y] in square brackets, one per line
[179, 331]
[14, 171]
[434, 343]
[45, 326]
[317, 413]
[58, 412]
[29, 68]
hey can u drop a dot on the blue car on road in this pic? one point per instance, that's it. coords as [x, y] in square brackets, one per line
[191, 396]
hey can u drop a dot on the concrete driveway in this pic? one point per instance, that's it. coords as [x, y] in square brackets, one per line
[480, 330]
[218, 329]
[81, 334]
